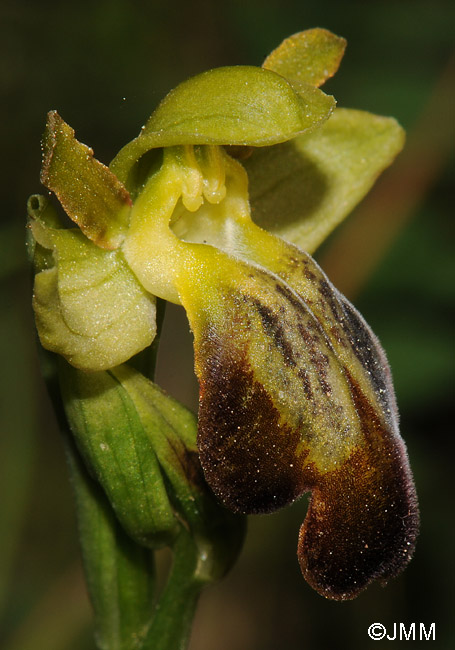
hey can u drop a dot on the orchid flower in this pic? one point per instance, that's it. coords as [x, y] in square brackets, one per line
[218, 204]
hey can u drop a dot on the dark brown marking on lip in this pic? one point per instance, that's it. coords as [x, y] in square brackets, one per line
[249, 457]
[368, 351]
[309, 274]
[363, 518]
[291, 298]
[357, 333]
[325, 386]
[328, 293]
[343, 325]
[337, 335]
[273, 328]
[319, 360]
[311, 335]
[303, 375]
[308, 328]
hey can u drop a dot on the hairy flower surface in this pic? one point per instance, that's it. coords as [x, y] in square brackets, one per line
[236, 174]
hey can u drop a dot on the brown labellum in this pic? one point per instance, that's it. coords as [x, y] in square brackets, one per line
[296, 396]
[363, 519]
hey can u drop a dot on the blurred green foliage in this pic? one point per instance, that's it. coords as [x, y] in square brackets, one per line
[104, 66]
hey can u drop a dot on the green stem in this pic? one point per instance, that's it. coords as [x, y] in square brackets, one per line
[174, 612]
[120, 573]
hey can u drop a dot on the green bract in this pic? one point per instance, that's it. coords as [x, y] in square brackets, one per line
[236, 171]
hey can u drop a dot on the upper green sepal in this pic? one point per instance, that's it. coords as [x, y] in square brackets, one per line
[89, 192]
[241, 105]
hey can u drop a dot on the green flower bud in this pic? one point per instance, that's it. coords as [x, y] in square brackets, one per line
[140, 444]
[112, 440]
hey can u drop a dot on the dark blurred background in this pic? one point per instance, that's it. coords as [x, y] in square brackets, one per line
[104, 66]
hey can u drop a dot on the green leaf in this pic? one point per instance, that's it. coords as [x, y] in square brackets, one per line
[301, 190]
[120, 573]
[89, 306]
[312, 57]
[241, 105]
[110, 435]
[89, 192]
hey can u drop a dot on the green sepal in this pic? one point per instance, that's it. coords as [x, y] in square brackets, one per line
[120, 573]
[312, 57]
[89, 192]
[89, 306]
[112, 440]
[242, 105]
[301, 190]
